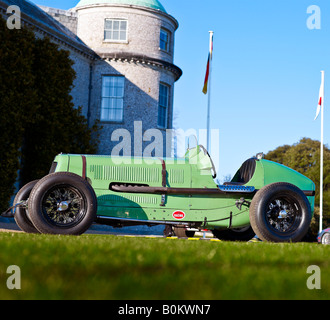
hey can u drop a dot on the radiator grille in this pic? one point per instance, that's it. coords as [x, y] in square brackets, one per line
[126, 174]
[176, 176]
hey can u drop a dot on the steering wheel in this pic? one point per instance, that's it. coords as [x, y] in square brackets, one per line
[213, 167]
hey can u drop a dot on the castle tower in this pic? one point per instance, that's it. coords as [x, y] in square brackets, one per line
[133, 79]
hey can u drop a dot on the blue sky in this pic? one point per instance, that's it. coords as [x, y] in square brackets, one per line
[266, 72]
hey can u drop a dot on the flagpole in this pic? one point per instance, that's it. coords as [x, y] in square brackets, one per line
[209, 94]
[321, 159]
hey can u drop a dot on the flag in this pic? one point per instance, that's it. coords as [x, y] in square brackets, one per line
[320, 107]
[321, 97]
[207, 75]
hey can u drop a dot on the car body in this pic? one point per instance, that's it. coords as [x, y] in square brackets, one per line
[324, 236]
[176, 192]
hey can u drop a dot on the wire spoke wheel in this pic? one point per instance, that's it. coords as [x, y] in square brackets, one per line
[283, 214]
[280, 212]
[62, 203]
[63, 206]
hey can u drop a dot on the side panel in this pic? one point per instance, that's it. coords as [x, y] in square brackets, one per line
[106, 170]
[275, 172]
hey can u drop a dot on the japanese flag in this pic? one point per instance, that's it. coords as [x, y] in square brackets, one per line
[321, 97]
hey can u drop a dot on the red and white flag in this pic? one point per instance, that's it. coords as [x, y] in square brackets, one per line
[321, 97]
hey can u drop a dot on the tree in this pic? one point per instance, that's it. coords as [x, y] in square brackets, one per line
[57, 126]
[16, 95]
[38, 119]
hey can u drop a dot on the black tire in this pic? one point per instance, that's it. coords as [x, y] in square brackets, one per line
[62, 203]
[21, 215]
[183, 232]
[238, 234]
[280, 212]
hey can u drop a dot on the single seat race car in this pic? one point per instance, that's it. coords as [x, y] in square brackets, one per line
[265, 198]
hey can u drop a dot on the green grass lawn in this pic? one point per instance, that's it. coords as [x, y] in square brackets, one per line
[110, 267]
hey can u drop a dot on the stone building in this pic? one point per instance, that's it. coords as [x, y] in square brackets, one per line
[123, 54]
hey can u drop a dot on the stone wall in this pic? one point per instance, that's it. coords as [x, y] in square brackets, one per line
[140, 100]
[80, 90]
[66, 17]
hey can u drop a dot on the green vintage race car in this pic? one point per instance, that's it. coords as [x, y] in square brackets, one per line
[264, 197]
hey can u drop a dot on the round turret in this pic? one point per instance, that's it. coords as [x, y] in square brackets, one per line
[134, 79]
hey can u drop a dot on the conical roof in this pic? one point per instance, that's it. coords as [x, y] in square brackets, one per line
[153, 4]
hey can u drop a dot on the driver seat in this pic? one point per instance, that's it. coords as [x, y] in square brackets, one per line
[244, 174]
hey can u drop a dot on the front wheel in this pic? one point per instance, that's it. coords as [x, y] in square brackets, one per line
[280, 212]
[62, 203]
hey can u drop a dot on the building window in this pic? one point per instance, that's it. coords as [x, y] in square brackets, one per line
[112, 98]
[164, 40]
[115, 30]
[163, 105]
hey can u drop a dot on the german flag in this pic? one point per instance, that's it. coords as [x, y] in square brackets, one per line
[207, 75]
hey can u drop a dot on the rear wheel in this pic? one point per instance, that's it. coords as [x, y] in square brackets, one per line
[21, 214]
[62, 203]
[280, 212]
